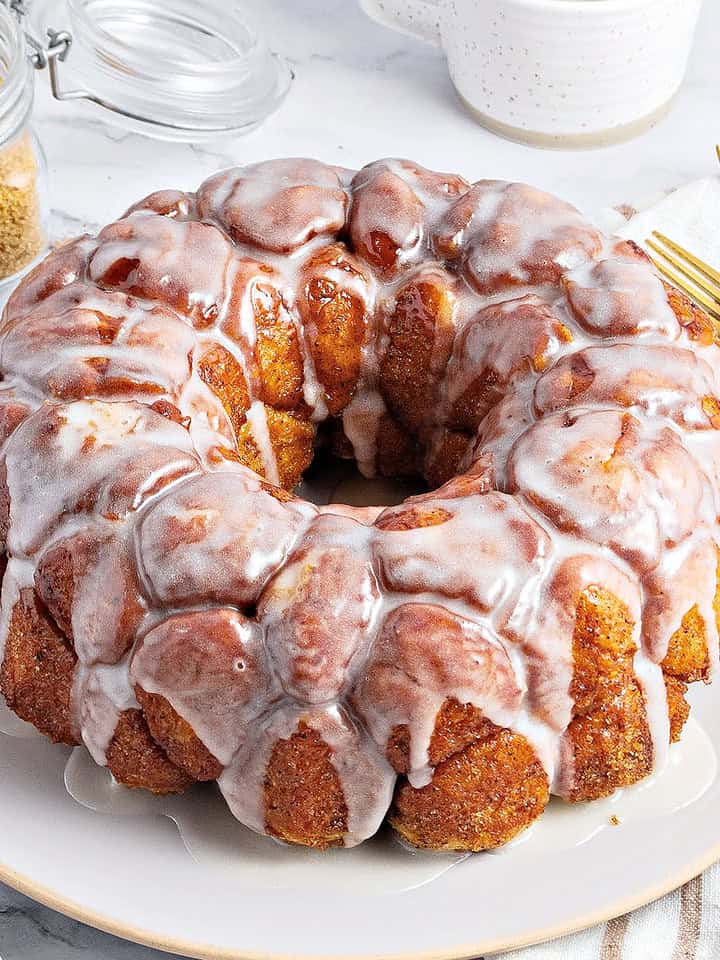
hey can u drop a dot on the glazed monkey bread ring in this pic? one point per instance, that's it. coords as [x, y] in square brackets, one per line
[526, 628]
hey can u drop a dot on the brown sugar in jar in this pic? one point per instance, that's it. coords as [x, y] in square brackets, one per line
[22, 165]
[21, 232]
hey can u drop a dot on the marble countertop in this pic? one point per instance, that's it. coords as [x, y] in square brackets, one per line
[359, 92]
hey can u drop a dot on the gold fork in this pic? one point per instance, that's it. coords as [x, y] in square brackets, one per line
[689, 273]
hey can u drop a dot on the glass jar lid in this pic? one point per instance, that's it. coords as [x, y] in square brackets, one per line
[174, 69]
[16, 89]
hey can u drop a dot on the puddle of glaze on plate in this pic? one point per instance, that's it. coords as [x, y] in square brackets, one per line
[690, 771]
[217, 841]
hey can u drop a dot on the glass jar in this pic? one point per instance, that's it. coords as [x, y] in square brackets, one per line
[23, 203]
[170, 69]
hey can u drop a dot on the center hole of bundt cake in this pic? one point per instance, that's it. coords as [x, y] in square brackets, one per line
[330, 479]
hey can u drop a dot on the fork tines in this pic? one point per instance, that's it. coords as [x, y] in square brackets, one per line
[689, 273]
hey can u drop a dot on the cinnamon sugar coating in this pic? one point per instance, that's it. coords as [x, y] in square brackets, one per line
[479, 798]
[526, 627]
[304, 800]
[608, 737]
[136, 760]
[37, 671]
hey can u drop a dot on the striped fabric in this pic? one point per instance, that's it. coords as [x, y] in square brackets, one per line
[684, 925]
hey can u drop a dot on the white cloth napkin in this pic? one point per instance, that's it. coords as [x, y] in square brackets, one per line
[689, 215]
[685, 924]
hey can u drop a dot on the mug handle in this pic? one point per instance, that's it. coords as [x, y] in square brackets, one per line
[414, 18]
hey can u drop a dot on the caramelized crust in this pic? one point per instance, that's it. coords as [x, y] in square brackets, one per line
[609, 736]
[303, 798]
[611, 745]
[335, 321]
[697, 324]
[292, 444]
[4, 504]
[292, 440]
[177, 738]
[420, 335]
[478, 799]
[247, 451]
[219, 369]
[412, 517]
[457, 725]
[308, 200]
[135, 759]
[501, 343]
[36, 677]
[687, 660]
[678, 707]
[386, 217]
[687, 657]
[277, 350]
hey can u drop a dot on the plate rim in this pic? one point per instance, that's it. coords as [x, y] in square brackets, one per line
[198, 951]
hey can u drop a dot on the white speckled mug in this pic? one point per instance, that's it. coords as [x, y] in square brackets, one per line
[556, 73]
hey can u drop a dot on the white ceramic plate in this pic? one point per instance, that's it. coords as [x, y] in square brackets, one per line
[243, 896]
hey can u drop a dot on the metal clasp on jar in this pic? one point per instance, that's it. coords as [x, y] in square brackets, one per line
[52, 53]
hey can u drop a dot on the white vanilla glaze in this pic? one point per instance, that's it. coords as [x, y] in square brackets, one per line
[217, 843]
[591, 419]
[200, 650]
[102, 692]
